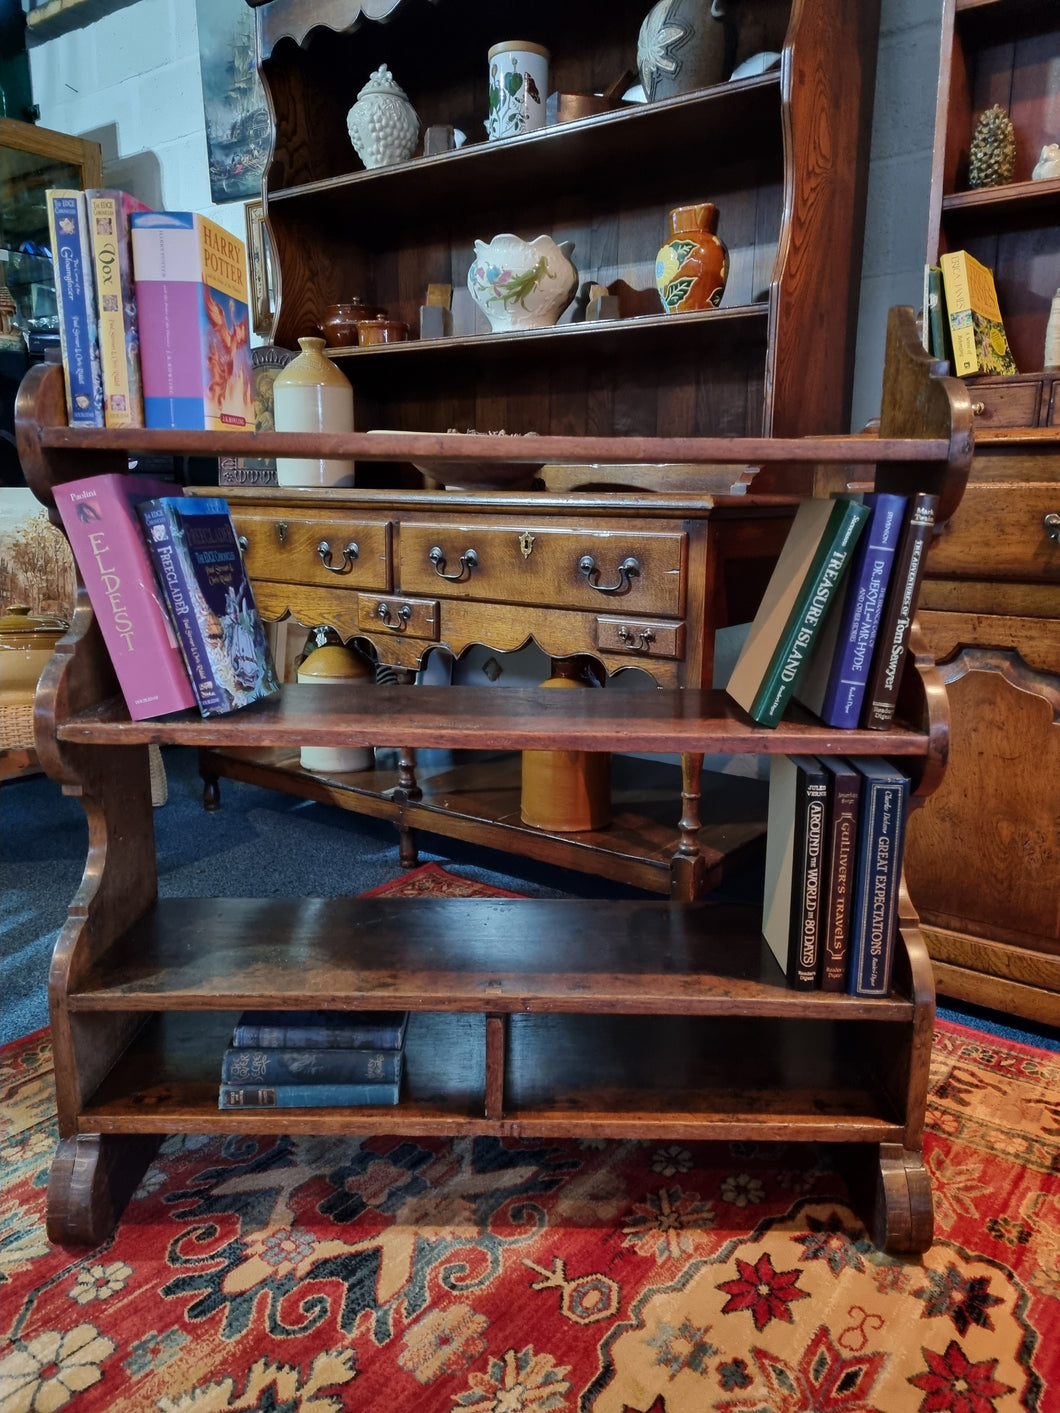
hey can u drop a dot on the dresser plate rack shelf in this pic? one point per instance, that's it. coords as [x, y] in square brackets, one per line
[638, 1019]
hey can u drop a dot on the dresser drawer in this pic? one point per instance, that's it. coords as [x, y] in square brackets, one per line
[333, 551]
[1004, 403]
[553, 567]
[999, 531]
[398, 614]
[640, 637]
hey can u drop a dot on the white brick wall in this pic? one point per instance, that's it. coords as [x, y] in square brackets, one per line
[131, 82]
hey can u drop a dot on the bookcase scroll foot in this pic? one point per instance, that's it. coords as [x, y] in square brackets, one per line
[904, 1218]
[92, 1177]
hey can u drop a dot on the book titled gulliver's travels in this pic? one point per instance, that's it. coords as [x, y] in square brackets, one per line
[191, 294]
[119, 336]
[75, 299]
[99, 516]
[200, 571]
[844, 796]
[328, 1030]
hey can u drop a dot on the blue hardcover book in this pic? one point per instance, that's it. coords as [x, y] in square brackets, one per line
[242, 1065]
[838, 674]
[306, 1096]
[200, 571]
[321, 1030]
[75, 298]
[881, 840]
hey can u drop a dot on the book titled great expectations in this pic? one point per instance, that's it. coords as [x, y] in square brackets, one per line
[200, 570]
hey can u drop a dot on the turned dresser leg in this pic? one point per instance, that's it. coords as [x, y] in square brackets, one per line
[92, 1177]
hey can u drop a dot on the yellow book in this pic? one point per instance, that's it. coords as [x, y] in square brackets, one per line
[976, 329]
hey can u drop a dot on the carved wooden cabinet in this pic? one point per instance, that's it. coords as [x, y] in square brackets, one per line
[983, 854]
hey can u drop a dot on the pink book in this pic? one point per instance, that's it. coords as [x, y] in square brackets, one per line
[99, 516]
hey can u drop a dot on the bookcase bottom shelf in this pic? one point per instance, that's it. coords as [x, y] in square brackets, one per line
[618, 1076]
[475, 795]
[655, 1078]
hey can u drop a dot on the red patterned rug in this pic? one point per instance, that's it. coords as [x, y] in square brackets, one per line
[305, 1275]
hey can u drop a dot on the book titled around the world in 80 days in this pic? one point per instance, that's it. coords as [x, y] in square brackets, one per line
[191, 294]
[199, 568]
[794, 866]
[99, 516]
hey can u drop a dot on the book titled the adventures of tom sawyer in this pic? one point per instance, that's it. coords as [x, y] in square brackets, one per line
[200, 571]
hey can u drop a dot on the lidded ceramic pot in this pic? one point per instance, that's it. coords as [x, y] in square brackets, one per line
[566, 792]
[692, 267]
[339, 324]
[522, 284]
[312, 395]
[334, 664]
[27, 641]
[382, 124]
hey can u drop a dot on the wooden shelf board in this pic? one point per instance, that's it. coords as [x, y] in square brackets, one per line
[468, 792]
[455, 954]
[617, 1077]
[1011, 202]
[663, 721]
[567, 159]
[414, 446]
[996, 21]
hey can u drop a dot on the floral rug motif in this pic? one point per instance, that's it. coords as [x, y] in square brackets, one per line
[312, 1275]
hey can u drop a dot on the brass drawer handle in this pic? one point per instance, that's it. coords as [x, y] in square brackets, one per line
[349, 554]
[404, 613]
[627, 570]
[640, 641]
[978, 408]
[468, 561]
[1052, 526]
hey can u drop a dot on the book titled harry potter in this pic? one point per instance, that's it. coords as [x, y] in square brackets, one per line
[192, 542]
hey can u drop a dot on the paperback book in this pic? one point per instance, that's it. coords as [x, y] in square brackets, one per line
[119, 336]
[801, 590]
[101, 522]
[308, 1030]
[199, 568]
[838, 674]
[75, 300]
[191, 293]
[977, 332]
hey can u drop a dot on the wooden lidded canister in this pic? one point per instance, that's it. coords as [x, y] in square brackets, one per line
[334, 663]
[566, 791]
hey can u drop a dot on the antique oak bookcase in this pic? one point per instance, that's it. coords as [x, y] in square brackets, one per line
[637, 1019]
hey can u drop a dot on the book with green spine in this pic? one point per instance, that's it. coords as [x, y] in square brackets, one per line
[801, 590]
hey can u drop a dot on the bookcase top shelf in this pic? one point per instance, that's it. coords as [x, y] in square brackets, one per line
[662, 720]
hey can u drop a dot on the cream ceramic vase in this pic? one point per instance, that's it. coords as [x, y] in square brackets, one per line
[333, 664]
[522, 284]
[382, 124]
[312, 395]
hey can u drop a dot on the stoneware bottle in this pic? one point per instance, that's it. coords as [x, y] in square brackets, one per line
[692, 267]
[382, 124]
[334, 664]
[312, 395]
[566, 792]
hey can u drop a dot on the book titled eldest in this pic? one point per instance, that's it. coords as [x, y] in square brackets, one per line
[193, 545]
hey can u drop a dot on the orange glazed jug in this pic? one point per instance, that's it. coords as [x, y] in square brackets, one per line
[692, 268]
[566, 792]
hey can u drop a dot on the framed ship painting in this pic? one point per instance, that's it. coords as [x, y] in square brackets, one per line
[237, 116]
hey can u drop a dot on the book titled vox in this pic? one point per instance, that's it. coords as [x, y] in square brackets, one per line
[119, 331]
[199, 569]
[101, 523]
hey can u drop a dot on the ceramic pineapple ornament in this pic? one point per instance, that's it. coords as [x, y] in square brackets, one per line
[992, 157]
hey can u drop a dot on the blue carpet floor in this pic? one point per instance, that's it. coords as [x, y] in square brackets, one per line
[259, 844]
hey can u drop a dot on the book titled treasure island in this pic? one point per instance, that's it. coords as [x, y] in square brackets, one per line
[191, 295]
[199, 569]
[101, 523]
